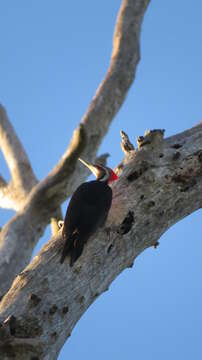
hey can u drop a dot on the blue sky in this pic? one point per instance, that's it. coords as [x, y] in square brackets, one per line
[53, 57]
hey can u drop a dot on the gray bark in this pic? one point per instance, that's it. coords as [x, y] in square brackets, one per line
[39, 202]
[159, 184]
[12, 195]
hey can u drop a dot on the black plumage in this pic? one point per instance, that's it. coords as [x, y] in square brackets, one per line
[87, 211]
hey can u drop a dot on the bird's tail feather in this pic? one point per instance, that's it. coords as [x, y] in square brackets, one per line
[76, 251]
[73, 246]
[67, 246]
[64, 254]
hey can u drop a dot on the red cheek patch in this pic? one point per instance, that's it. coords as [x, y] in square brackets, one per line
[113, 176]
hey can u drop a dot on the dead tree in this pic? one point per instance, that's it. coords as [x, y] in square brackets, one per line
[160, 183]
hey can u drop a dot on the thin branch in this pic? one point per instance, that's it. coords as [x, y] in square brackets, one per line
[13, 195]
[156, 189]
[17, 160]
[126, 145]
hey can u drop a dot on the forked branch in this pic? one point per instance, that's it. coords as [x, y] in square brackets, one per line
[19, 237]
[22, 176]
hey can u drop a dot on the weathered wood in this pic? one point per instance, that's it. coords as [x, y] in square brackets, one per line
[160, 184]
[19, 237]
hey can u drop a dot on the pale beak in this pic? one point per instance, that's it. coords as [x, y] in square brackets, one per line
[90, 166]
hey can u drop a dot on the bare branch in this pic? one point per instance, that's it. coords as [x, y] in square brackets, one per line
[125, 57]
[3, 193]
[17, 160]
[126, 145]
[3, 182]
[10, 196]
[108, 99]
[156, 189]
[15, 246]
[13, 195]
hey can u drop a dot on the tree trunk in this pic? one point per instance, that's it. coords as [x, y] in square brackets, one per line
[159, 184]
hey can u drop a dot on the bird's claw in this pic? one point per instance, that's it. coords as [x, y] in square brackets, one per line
[60, 224]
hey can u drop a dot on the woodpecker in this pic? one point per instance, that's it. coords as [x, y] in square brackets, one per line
[87, 210]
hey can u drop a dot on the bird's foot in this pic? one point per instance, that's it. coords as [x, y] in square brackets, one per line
[60, 224]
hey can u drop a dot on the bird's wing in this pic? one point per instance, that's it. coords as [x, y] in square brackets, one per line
[87, 210]
[89, 202]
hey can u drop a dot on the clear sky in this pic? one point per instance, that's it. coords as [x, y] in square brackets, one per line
[53, 56]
